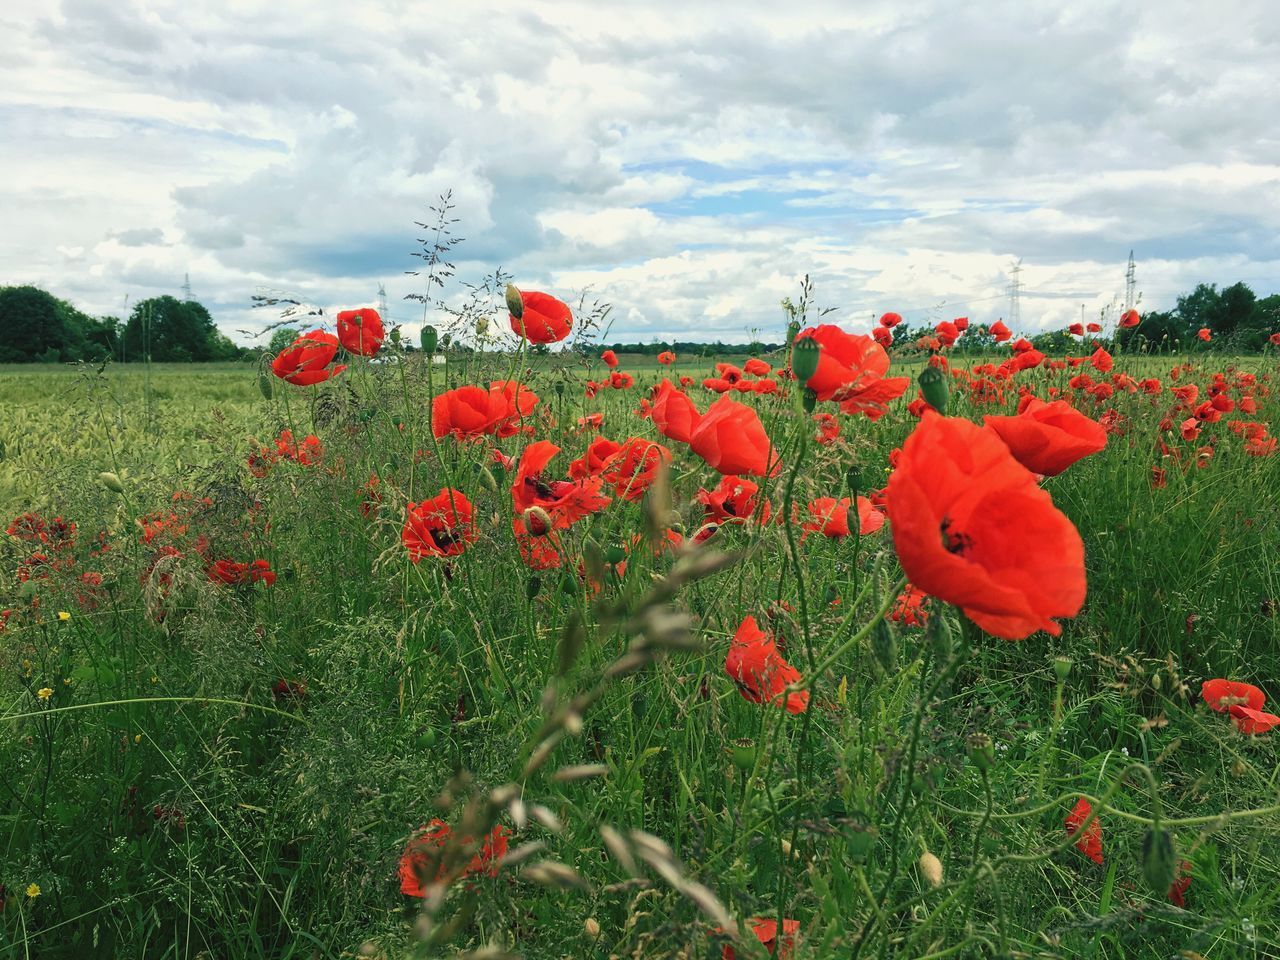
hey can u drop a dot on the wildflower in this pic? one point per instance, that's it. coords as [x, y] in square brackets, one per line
[890, 319]
[439, 527]
[306, 360]
[360, 331]
[1252, 721]
[564, 502]
[999, 332]
[634, 466]
[666, 358]
[1130, 319]
[610, 359]
[830, 517]
[1203, 334]
[33, 890]
[426, 848]
[732, 501]
[542, 318]
[760, 671]
[971, 527]
[674, 415]
[732, 441]
[44, 693]
[908, 608]
[766, 931]
[1046, 438]
[1090, 841]
[64, 615]
[1221, 695]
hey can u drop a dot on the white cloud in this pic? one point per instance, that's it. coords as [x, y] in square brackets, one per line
[687, 163]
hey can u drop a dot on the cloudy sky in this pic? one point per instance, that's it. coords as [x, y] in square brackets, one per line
[687, 162]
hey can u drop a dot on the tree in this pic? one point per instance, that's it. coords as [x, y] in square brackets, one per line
[281, 337]
[35, 325]
[168, 330]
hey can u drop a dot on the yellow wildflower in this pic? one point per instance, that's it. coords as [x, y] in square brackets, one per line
[33, 890]
[63, 615]
[44, 693]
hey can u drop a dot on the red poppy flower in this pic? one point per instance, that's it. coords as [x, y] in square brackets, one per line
[1221, 695]
[306, 360]
[666, 358]
[828, 428]
[847, 360]
[731, 439]
[673, 414]
[908, 608]
[947, 332]
[972, 527]
[632, 469]
[766, 932]
[545, 319]
[425, 850]
[1046, 438]
[1130, 318]
[765, 386]
[470, 412]
[717, 384]
[1253, 721]
[1076, 329]
[760, 671]
[360, 331]
[962, 323]
[1181, 884]
[610, 359]
[593, 461]
[1274, 339]
[890, 319]
[882, 336]
[999, 332]
[621, 380]
[733, 500]
[439, 527]
[830, 517]
[539, 552]
[564, 502]
[757, 367]
[1090, 842]
[1093, 327]
[1101, 360]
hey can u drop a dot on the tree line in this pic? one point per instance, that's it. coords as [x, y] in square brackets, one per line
[37, 327]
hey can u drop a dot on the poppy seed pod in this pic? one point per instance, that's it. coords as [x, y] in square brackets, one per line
[804, 358]
[853, 480]
[537, 521]
[793, 328]
[884, 647]
[1062, 668]
[515, 301]
[934, 387]
[559, 388]
[810, 398]
[111, 482]
[744, 754]
[981, 751]
[429, 339]
[532, 587]
[1159, 860]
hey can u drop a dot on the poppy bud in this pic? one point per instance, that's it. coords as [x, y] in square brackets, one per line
[1159, 861]
[809, 400]
[394, 336]
[884, 647]
[981, 751]
[744, 754]
[853, 480]
[515, 302]
[265, 378]
[427, 738]
[1062, 668]
[593, 560]
[931, 869]
[940, 634]
[591, 928]
[532, 587]
[559, 388]
[111, 482]
[487, 480]
[793, 328]
[537, 521]
[934, 387]
[429, 336]
[614, 554]
[859, 838]
[804, 358]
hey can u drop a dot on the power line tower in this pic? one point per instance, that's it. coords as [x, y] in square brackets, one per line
[186, 288]
[382, 303]
[1015, 291]
[1130, 282]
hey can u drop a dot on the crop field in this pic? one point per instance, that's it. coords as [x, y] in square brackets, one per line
[817, 653]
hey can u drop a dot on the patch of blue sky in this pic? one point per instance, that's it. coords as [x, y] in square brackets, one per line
[60, 116]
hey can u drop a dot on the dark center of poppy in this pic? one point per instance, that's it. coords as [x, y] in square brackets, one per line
[954, 541]
[444, 538]
[540, 487]
[729, 508]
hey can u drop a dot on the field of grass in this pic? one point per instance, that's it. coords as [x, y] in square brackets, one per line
[199, 768]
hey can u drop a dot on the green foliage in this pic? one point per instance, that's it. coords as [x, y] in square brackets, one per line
[168, 330]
